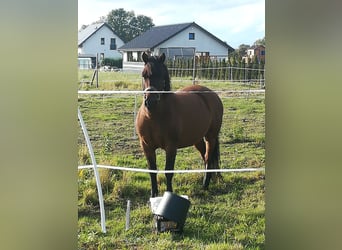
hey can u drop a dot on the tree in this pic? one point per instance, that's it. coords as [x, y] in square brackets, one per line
[241, 51]
[102, 19]
[126, 25]
[260, 42]
[83, 27]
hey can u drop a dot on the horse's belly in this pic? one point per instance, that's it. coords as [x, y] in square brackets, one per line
[194, 126]
[191, 138]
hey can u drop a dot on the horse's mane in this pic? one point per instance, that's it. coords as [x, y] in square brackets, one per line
[167, 79]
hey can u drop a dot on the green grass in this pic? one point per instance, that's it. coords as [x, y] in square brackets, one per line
[230, 215]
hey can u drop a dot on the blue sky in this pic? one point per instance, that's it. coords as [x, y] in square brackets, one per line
[233, 21]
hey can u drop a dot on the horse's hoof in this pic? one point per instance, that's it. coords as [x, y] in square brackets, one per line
[154, 195]
[206, 184]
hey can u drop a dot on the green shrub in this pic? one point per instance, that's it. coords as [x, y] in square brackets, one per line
[112, 62]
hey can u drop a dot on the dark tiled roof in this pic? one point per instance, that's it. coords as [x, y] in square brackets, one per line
[154, 36]
[159, 34]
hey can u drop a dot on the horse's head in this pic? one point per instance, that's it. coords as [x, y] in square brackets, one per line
[156, 78]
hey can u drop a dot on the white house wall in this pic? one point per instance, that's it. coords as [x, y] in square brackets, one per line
[93, 44]
[203, 42]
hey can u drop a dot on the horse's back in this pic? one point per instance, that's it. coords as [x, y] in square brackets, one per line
[210, 98]
[201, 110]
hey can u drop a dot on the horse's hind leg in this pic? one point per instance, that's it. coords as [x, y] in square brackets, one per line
[200, 146]
[204, 147]
[212, 157]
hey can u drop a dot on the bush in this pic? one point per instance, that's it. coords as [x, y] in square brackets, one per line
[112, 62]
[233, 69]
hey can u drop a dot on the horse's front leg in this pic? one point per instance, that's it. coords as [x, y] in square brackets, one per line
[154, 190]
[170, 162]
[152, 165]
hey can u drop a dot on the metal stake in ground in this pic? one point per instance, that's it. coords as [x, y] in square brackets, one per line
[128, 210]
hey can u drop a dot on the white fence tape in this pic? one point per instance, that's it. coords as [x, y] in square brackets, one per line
[111, 92]
[180, 171]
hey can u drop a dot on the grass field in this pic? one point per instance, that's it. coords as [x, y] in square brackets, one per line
[230, 215]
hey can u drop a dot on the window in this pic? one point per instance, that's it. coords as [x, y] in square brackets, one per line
[112, 44]
[129, 56]
[102, 41]
[175, 52]
[139, 58]
[191, 36]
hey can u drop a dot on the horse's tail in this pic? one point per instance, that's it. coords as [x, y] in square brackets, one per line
[215, 157]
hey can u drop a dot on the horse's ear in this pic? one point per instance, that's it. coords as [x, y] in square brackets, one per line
[144, 57]
[162, 58]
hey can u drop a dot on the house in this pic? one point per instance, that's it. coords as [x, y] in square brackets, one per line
[98, 39]
[176, 40]
[256, 51]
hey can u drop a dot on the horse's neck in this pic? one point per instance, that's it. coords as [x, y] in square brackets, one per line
[161, 108]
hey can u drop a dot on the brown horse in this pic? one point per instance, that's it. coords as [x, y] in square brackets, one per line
[192, 116]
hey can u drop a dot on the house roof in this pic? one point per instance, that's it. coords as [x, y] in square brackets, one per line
[91, 29]
[159, 34]
[257, 46]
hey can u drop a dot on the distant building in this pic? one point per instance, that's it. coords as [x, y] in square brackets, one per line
[176, 40]
[98, 39]
[258, 51]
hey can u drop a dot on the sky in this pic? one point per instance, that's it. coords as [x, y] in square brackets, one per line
[233, 21]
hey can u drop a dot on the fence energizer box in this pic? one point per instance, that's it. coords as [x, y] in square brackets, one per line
[170, 212]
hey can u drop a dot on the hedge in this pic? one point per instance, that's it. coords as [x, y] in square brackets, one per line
[217, 69]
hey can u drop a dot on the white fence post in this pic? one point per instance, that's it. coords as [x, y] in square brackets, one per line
[135, 116]
[96, 172]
